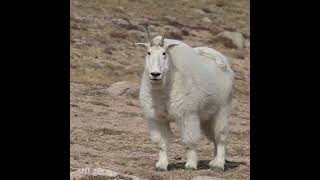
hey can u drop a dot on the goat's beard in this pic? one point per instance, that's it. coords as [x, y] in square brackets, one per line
[156, 84]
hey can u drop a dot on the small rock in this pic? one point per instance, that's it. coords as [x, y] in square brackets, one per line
[124, 88]
[194, 33]
[206, 20]
[119, 9]
[131, 14]
[120, 22]
[231, 39]
[207, 10]
[206, 178]
[169, 18]
[211, 9]
[198, 11]
[108, 174]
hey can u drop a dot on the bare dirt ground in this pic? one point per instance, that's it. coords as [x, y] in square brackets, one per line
[110, 132]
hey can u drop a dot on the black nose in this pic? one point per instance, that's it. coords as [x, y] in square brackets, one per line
[155, 74]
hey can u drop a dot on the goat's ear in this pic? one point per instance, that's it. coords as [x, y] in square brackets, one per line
[171, 46]
[142, 44]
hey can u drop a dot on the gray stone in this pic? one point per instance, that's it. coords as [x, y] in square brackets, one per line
[169, 18]
[231, 39]
[92, 172]
[124, 88]
[120, 22]
[210, 9]
[206, 20]
[120, 9]
[198, 11]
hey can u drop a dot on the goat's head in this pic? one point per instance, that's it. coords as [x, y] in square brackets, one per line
[157, 60]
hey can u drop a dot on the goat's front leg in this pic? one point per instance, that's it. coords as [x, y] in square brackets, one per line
[191, 134]
[160, 133]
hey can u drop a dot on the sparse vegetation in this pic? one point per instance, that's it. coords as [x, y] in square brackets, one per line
[116, 34]
[130, 103]
[122, 162]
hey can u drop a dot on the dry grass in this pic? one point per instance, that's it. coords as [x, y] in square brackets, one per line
[117, 34]
[122, 162]
[130, 103]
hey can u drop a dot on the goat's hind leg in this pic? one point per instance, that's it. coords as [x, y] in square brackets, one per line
[161, 133]
[219, 127]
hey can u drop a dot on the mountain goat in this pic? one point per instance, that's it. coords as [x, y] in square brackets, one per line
[191, 86]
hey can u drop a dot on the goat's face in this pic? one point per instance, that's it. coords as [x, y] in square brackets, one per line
[157, 61]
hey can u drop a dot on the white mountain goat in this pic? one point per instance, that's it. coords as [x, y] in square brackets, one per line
[191, 86]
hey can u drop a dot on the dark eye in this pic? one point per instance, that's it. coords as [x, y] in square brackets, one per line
[149, 53]
[164, 53]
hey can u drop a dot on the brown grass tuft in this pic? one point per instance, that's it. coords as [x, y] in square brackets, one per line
[175, 35]
[117, 34]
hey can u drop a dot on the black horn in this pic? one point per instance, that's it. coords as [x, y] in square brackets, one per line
[151, 42]
[162, 39]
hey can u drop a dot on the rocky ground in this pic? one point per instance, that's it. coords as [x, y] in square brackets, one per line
[107, 128]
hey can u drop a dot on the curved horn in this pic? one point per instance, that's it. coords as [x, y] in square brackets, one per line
[151, 42]
[162, 39]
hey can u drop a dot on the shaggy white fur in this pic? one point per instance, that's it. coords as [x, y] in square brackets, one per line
[194, 90]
